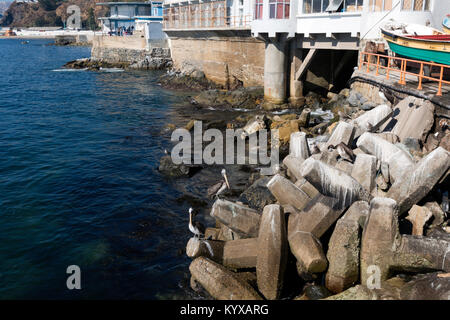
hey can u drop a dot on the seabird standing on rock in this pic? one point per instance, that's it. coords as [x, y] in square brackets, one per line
[343, 116]
[219, 187]
[195, 227]
[344, 151]
[370, 127]
[193, 101]
[314, 148]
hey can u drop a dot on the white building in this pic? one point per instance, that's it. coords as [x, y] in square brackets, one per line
[207, 14]
[358, 19]
[133, 15]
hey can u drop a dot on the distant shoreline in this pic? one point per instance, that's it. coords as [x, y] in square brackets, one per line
[28, 37]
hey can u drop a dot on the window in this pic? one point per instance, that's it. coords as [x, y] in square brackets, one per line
[380, 5]
[279, 9]
[319, 6]
[258, 9]
[416, 5]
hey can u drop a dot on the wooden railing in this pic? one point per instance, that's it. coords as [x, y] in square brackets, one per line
[393, 62]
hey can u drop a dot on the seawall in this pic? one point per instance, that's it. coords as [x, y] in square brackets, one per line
[131, 50]
[226, 57]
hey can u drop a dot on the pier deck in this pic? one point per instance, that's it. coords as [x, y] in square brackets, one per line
[428, 91]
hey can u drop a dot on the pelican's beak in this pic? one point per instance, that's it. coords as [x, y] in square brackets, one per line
[226, 180]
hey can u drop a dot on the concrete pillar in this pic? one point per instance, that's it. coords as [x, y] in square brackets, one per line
[275, 70]
[295, 86]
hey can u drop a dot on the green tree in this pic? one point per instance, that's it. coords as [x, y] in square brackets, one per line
[48, 5]
[91, 24]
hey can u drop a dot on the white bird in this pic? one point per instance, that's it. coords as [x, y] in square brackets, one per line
[219, 187]
[195, 227]
[382, 96]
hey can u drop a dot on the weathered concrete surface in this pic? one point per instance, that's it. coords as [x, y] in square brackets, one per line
[298, 146]
[383, 246]
[333, 182]
[430, 286]
[317, 217]
[221, 283]
[365, 170]
[414, 118]
[236, 254]
[288, 193]
[307, 187]
[275, 71]
[211, 249]
[344, 166]
[389, 137]
[222, 58]
[294, 165]
[380, 238]
[253, 125]
[344, 247]
[422, 254]
[272, 252]
[308, 251]
[418, 216]
[344, 132]
[398, 160]
[240, 253]
[412, 187]
[240, 219]
[371, 120]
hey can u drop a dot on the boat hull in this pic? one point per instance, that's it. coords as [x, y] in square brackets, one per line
[419, 49]
[446, 25]
[446, 30]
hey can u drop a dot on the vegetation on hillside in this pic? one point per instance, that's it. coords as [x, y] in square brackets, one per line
[51, 13]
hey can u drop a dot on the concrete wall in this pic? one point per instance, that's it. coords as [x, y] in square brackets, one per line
[224, 59]
[127, 42]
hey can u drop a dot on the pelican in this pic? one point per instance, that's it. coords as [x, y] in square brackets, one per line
[321, 130]
[443, 124]
[195, 227]
[219, 187]
[343, 116]
[370, 127]
[344, 152]
[314, 148]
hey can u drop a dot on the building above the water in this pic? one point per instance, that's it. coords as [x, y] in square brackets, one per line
[207, 14]
[216, 35]
[131, 16]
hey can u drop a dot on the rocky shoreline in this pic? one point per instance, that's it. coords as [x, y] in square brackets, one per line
[357, 210]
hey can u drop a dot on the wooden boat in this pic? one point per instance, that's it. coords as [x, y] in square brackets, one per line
[418, 42]
[446, 24]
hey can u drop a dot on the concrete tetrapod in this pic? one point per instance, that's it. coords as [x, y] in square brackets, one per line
[383, 249]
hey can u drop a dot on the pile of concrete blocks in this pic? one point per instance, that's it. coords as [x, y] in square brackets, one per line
[337, 220]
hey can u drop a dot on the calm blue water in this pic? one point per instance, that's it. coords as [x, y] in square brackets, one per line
[78, 180]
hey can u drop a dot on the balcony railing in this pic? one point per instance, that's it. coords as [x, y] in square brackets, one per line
[203, 16]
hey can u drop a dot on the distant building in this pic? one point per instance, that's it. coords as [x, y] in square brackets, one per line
[143, 17]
